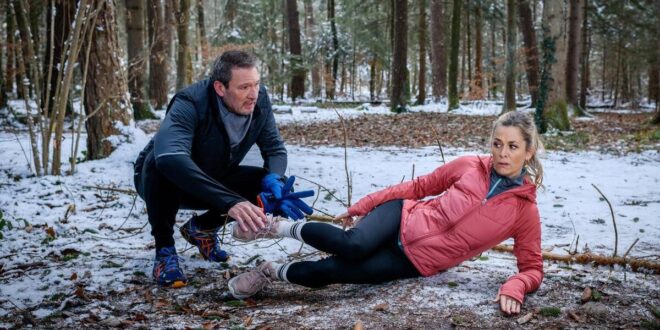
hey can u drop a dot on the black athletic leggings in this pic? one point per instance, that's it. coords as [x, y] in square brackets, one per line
[367, 253]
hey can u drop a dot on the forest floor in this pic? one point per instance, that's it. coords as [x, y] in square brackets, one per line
[79, 253]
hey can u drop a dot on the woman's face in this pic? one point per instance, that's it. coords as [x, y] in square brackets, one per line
[509, 151]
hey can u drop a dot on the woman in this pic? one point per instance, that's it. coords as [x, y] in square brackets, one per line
[480, 201]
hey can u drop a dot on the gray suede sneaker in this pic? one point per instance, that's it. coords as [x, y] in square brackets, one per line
[250, 283]
[268, 232]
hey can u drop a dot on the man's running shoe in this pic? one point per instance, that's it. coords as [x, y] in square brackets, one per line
[166, 268]
[205, 240]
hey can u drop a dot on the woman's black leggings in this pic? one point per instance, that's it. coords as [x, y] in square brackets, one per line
[367, 253]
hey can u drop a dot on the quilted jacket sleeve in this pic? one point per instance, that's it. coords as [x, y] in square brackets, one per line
[427, 185]
[527, 249]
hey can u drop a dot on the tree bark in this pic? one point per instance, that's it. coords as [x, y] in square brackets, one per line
[184, 71]
[137, 60]
[10, 67]
[64, 14]
[399, 56]
[478, 48]
[203, 39]
[330, 88]
[106, 96]
[553, 14]
[421, 91]
[26, 43]
[584, 58]
[656, 117]
[531, 49]
[439, 59]
[453, 56]
[158, 60]
[311, 35]
[510, 87]
[573, 52]
[295, 49]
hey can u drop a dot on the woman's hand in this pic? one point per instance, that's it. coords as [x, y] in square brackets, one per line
[345, 218]
[508, 305]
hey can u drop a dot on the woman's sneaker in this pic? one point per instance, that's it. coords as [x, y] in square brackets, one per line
[166, 268]
[206, 241]
[269, 231]
[250, 283]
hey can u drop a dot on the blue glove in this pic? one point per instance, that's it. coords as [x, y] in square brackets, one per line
[273, 184]
[289, 204]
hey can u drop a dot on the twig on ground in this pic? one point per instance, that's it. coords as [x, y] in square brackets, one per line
[124, 191]
[616, 232]
[324, 188]
[129, 213]
[631, 247]
[437, 139]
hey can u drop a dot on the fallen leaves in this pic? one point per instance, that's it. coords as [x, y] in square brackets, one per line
[607, 132]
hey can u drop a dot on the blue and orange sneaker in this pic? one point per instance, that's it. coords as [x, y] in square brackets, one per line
[166, 268]
[205, 240]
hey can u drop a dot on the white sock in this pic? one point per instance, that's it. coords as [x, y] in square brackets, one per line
[280, 271]
[290, 229]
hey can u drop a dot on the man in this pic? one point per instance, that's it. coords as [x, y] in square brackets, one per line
[193, 162]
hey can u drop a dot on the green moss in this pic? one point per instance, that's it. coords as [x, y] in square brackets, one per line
[556, 115]
[452, 284]
[550, 311]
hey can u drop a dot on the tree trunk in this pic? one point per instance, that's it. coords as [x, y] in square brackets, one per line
[453, 55]
[421, 95]
[203, 39]
[137, 60]
[553, 11]
[295, 49]
[492, 90]
[335, 49]
[10, 67]
[399, 56]
[64, 14]
[551, 109]
[510, 87]
[184, 71]
[159, 63]
[478, 48]
[439, 59]
[573, 53]
[106, 96]
[531, 50]
[311, 35]
[656, 117]
[170, 23]
[584, 58]
[468, 33]
[26, 44]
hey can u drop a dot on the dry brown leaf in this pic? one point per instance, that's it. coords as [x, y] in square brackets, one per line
[73, 277]
[50, 231]
[212, 312]
[247, 321]
[358, 325]
[575, 316]
[525, 318]
[586, 295]
[80, 292]
[158, 303]
[139, 317]
[381, 307]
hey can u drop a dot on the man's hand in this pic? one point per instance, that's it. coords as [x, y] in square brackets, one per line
[248, 216]
[508, 305]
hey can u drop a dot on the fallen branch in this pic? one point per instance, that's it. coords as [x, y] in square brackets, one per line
[323, 218]
[437, 139]
[348, 178]
[599, 260]
[123, 191]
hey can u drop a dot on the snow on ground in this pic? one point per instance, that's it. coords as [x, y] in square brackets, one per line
[105, 241]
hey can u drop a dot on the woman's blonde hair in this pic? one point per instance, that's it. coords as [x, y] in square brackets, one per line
[532, 139]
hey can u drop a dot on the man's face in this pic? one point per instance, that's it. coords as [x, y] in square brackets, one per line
[240, 95]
